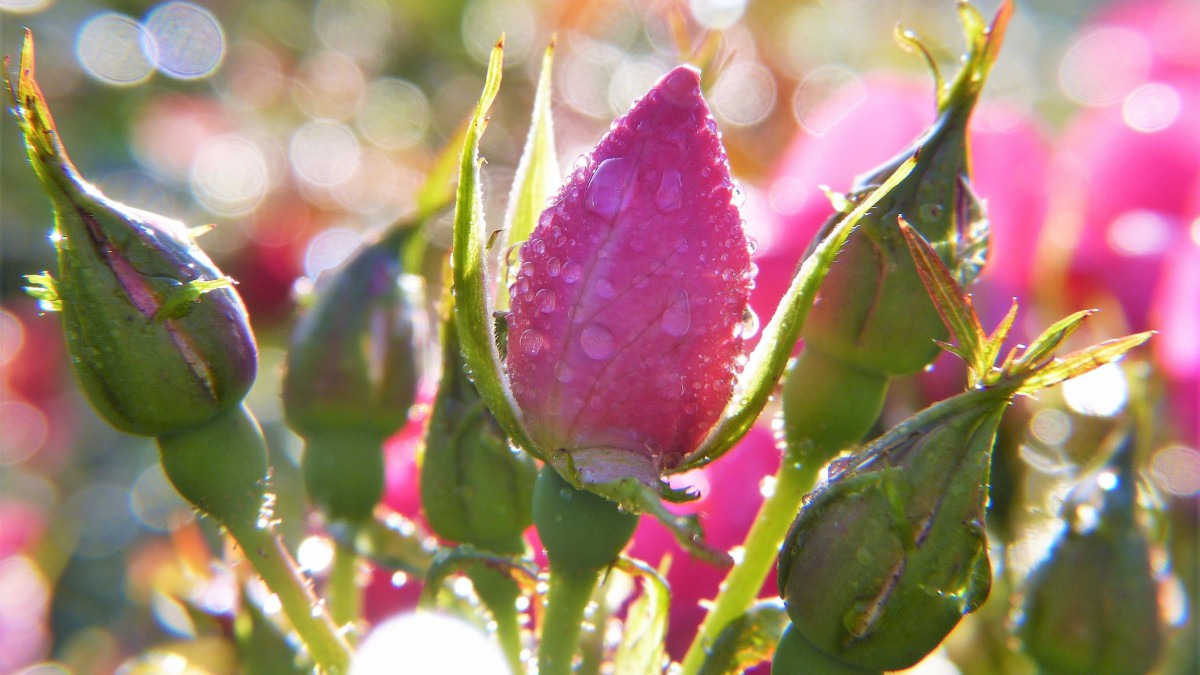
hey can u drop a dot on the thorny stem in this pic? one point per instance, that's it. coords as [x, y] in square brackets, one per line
[345, 593]
[568, 600]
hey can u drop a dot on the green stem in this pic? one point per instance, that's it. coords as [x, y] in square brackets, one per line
[500, 593]
[278, 570]
[741, 586]
[568, 600]
[221, 468]
[345, 593]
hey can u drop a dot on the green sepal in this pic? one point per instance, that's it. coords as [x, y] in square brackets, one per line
[43, 288]
[475, 489]
[582, 531]
[451, 560]
[643, 642]
[748, 640]
[472, 287]
[392, 541]
[795, 654]
[537, 177]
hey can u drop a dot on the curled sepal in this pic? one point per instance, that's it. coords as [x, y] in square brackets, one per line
[748, 640]
[643, 642]
[635, 496]
[451, 560]
[1092, 605]
[537, 175]
[888, 555]
[159, 339]
[472, 287]
[769, 359]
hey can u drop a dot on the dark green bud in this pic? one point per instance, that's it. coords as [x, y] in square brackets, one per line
[159, 339]
[888, 555]
[353, 359]
[872, 311]
[352, 376]
[1091, 606]
[475, 489]
[582, 532]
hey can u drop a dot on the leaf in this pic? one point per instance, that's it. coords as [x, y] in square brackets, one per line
[45, 290]
[642, 647]
[537, 176]
[770, 357]
[1080, 362]
[952, 304]
[1050, 339]
[472, 297]
[748, 640]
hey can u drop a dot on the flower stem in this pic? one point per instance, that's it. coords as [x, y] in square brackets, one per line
[271, 559]
[345, 593]
[500, 593]
[741, 586]
[221, 468]
[568, 600]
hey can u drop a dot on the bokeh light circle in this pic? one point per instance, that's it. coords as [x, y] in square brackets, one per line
[114, 49]
[1104, 65]
[188, 40]
[744, 94]
[229, 175]
[827, 95]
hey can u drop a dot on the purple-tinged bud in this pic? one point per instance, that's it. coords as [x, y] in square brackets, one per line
[158, 337]
[625, 330]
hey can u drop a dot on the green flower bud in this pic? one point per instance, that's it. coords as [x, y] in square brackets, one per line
[1091, 605]
[890, 553]
[794, 655]
[474, 488]
[352, 376]
[582, 532]
[158, 337]
[352, 362]
[872, 311]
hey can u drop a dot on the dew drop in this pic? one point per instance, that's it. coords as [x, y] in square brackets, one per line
[678, 318]
[681, 245]
[572, 272]
[532, 342]
[597, 342]
[604, 289]
[670, 191]
[545, 300]
[606, 189]
[554, 267]
[563, 373]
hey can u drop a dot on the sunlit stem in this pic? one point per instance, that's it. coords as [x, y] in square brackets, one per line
[221, 468]
[500, 593]
[345, 593]
[568, 599]
[778, 510]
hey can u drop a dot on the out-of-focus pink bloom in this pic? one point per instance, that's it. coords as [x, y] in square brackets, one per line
[624, 335]
[730, 494]
[1176, 314]
[1008, 154]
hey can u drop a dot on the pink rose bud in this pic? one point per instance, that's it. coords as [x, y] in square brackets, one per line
[625, 331]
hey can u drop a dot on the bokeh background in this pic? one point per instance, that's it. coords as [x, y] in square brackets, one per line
[301, 127]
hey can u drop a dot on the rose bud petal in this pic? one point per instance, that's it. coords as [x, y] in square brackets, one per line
[624, 331]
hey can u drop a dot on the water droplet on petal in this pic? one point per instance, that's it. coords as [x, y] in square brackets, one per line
[606, 189]
[554, 267]
[678, 318]
[597, 342]
[532, 342]
[604, 288]
[545, 300]
[670, 191]
[681, 245]
[572, 272]
[563, 373]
